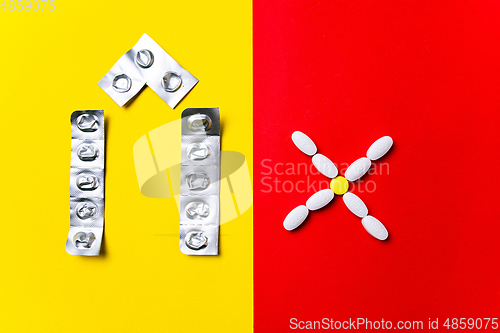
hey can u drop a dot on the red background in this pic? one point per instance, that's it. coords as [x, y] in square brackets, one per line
[426, 73]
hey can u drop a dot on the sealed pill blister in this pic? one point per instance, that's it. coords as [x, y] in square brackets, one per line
[200, 178]
[147, 63]
[86, 183]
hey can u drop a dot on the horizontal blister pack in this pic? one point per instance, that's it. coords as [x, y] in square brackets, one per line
[147, 63]
[200, 182]
[86, 183]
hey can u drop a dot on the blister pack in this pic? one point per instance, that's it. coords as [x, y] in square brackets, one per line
[86, 189]
[147, 63]
[200, 178]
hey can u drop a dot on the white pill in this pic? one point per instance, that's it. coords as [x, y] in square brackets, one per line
[304, 143]
[325, 166]
[357, 169]
[379, 148]
[319, 199]
[295, 217]
[375, 227]
[355, 204]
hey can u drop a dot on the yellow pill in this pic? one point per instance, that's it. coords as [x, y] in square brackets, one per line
[339, 185]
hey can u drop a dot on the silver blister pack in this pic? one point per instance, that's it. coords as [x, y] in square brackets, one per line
[147, 64]
[86, 189]
[200, 182]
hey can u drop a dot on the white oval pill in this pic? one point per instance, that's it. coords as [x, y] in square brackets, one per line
[295, 217]
[375, 227]
[379, 148]
[355, 204]
[325, 166]
[357, 169]
[304, 143]
[319, 199]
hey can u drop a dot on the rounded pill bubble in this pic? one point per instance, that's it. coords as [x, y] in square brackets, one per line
[375, 227]
[319, 199]
[357, 169]
[339, 185]
[87, 152]
[325, 166]
[122, 83]
[87, 122]
[355, 205]
[198, 151]
[197, 181]
[199, 123]
[86, 210]
[144, 58]
[197, 210]
[171, 81]
[379, 148]
[304, 143]
[296, 217]
[87, 182]
[83, 240]
[196, 240]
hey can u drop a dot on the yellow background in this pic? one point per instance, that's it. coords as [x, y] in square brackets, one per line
[51, 63]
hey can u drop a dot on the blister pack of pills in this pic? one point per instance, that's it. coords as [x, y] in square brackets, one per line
[200, 178]
[147, 63]
[86, 189]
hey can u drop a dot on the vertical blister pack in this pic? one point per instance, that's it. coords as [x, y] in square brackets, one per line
[200, 175]
[147, 63]
[86, 189]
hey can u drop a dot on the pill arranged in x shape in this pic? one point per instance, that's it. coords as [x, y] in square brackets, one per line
[339, 185]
